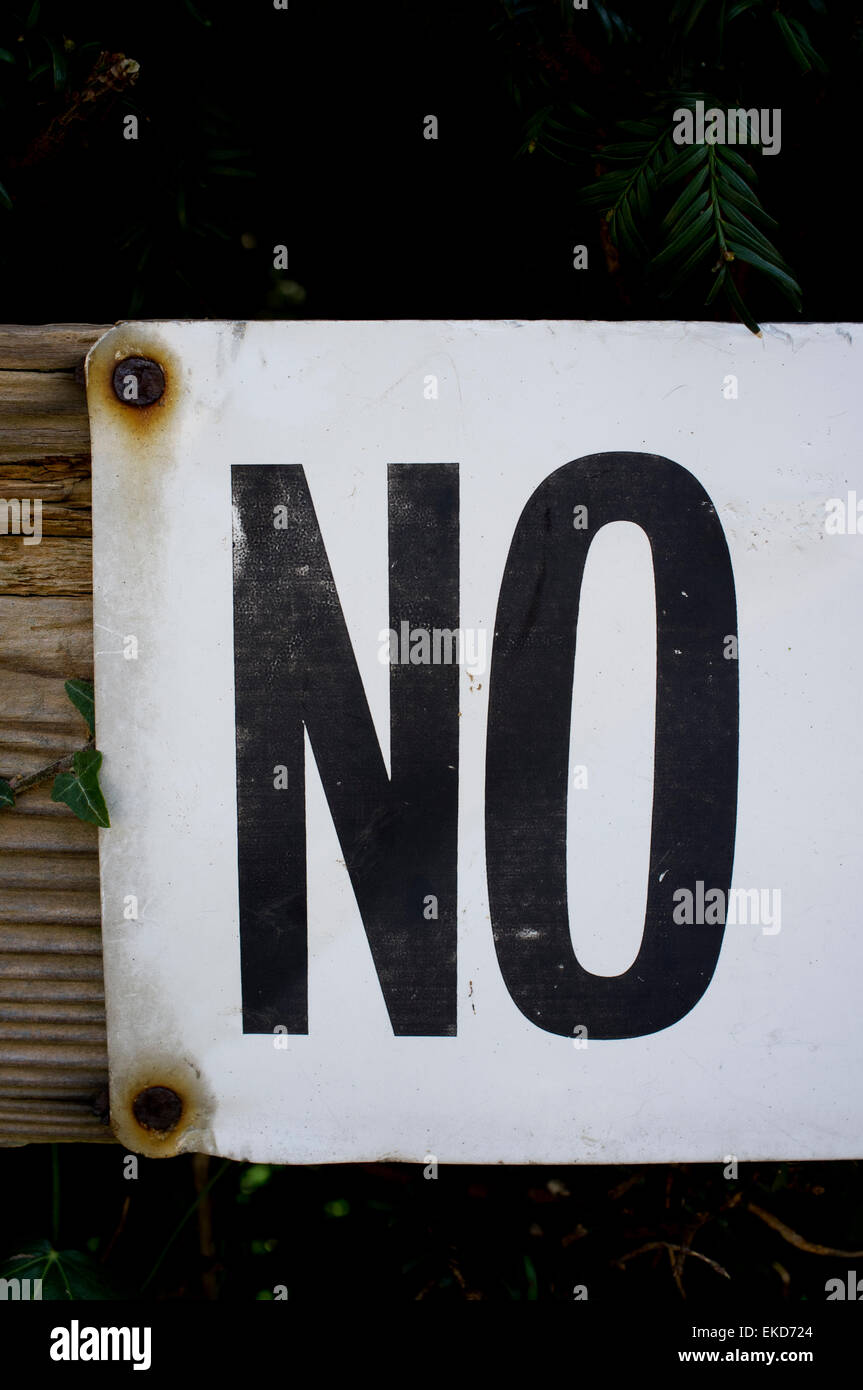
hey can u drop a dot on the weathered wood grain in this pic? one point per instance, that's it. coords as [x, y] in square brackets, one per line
[54, 480]
[62, 487]
[47, 636]
[19, 1012]
[53, 1059]
[47, 347]
[52, 989]
[27, 394]
[38, 436]
[46, 1120]
[20, 870]
[38, 966]
[57, 567]
[67, 1072]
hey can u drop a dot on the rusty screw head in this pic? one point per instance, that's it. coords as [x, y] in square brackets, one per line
[157, 1107]
[138, 381]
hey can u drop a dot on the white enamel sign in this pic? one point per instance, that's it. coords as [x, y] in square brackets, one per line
[479, 709]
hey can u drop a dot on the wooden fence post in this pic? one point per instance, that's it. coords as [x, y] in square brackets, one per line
[53, 1054]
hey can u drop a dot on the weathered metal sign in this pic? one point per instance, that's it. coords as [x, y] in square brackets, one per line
[479, 710]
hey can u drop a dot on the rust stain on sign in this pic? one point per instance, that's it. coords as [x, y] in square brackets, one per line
[142, 437]
[130, 344]
[163, 1109]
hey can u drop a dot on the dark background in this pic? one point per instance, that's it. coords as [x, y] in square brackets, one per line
[304, 128]
[351, 1234]
[261, 127]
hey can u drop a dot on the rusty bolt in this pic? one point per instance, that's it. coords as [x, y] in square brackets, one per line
[138, 381]
[101, 1106]
[157, 1107]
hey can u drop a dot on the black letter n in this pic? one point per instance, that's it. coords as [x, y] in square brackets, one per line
[294, 666]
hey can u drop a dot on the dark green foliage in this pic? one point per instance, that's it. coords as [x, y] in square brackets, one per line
[67, 1275]
[681, 216]
[81, 695]
[80, 789]
[287, 129]
[65, 89]
[381, 1234]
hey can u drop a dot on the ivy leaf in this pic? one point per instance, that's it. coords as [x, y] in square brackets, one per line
[80, 790]
[81, 695]
[65, 1274]
[7, 796]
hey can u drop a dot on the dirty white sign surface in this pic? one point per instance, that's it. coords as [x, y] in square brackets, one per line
[480, 712]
